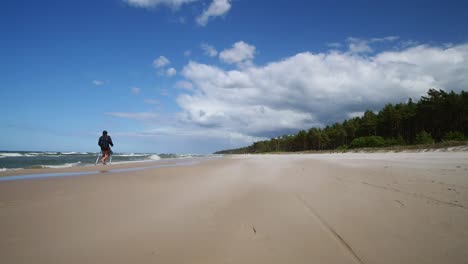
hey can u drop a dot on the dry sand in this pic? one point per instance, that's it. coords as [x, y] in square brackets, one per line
[314, 208]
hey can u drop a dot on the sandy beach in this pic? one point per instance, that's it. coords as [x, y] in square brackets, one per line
[295, 208]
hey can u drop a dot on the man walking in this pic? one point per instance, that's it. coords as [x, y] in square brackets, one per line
[105, 142]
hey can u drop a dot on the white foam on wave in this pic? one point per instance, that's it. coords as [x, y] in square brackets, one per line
[28, 154]
[154, 157]
[185, 155]
[66, 165]
[10, 154]
[130, 155]
[32, 154]
[70, 153]
[10, 169]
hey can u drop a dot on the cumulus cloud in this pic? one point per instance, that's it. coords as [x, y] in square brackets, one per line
[408, 43]
[184, 85]
[98, 82]
[155, 3]
[315, 89]
[301, 91]
[357, 45]
[241, 53]
[161, 62]
[171, 72]
[209, 50]
[216, 8]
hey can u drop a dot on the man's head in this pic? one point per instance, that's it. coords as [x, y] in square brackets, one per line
[104, 132]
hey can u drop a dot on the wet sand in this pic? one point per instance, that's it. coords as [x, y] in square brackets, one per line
[309, 208]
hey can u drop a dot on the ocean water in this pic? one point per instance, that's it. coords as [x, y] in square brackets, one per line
[40, 159]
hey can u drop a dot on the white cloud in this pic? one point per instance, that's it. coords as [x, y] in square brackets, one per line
[135, 90]
[98, 82]
[385, 39]
[171, 72]
[161, 62]
[233, 108]
[356, 45]
[155, 3]
[216, 8]
[314, 89]
[184, 85]
[355, 114]
[408, 43]
[209, 50]
[240, 53]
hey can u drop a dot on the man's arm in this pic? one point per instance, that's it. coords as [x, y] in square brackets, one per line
[110, 141]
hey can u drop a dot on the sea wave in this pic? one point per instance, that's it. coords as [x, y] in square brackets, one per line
[33, 154]
[154, 157]
[10, 169]
[187, 155]
[51, 159]
[28, 154]
[10, 154]
[66, 165]
[129, 155]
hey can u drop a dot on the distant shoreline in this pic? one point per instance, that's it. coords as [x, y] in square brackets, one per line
[442, 147]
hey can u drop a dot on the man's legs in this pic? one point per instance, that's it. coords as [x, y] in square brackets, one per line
[105, 154]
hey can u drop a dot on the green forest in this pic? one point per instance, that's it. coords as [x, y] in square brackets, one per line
[439, 116]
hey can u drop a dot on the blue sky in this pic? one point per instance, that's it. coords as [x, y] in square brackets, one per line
[196, 76]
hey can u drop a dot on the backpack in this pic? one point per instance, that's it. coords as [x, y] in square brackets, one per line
[103, 143]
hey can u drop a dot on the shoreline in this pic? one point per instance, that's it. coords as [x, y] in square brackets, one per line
[139, 163]
[17, 160]
[99, 167]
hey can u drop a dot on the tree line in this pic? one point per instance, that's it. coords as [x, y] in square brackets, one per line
[436, 117]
